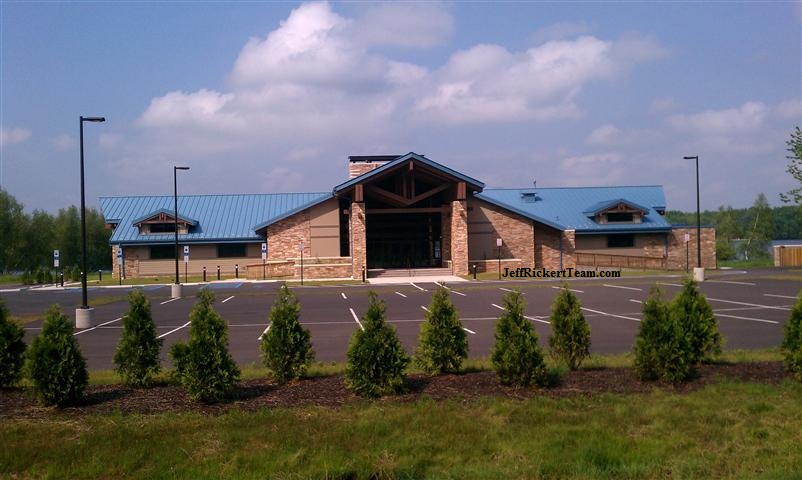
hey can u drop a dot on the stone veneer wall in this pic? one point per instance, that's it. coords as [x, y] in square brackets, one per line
[516, 232]
[459, 237]
[284, 236]
[356, 169]
[358, 239]
[547, 248]
[676, 248]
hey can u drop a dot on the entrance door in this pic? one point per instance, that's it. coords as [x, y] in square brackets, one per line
[403, 240]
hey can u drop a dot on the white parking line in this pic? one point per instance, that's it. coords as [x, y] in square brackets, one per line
[621, 286]
[611, 314]
[451, 289]
[173, 330]
[469, 331]
[343, 294]
[747, 304]
[263, 333]
[732, 282]
[419, 288]
[635, 301]
[356, 318]
[97, 326]
[534, 319]
[571, 289]
[778, 296]
[227, 299]
[399, 293]
[669, 284]
[508, 290]
[171, 300]
[424, 308]
[7, 290]
[746, 318]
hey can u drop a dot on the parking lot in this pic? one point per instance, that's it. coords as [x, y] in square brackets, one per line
[751, 310]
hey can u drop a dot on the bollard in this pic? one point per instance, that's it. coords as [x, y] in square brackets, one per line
[204, 274]
[236, 270]
[363, 274]
[218, 272]
[100, 275]
[61, 274]
[474, 271]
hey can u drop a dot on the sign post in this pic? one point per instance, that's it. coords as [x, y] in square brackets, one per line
[56, 262]
[186, 261]
[120, 263]
[301, 248]
[498, 244]
[264, 257]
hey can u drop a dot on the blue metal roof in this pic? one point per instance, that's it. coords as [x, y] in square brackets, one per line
[170, 213]
[402, 159]
[221, 218]
[564, 208]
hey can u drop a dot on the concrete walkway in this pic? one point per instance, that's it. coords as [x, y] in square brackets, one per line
[419, 279]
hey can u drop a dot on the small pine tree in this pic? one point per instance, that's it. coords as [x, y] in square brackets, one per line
[570, 333]
[699, 326]
[792, 341]
[442, 344]
[376, 359]
[203, 365]
[137, 355]
[516, 356]
[54, 362]
[12, 348]
[286, 347]
[660, 351]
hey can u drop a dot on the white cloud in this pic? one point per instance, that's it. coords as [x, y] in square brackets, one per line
[561, 31]
[11, 136]
[63, 142]
[404, 24]
[604, 135]
[789, 109]
[749, 117]
[663, 105]
[593, 169]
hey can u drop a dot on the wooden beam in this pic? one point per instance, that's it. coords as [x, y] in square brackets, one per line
[429, 193]
[461, 191]
[389, 197]
[359, 193]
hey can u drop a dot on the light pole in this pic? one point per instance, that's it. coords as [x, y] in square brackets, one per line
[698, 272]
[83, 314]
[176, 289]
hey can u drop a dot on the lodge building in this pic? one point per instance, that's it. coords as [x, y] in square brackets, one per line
[401, 213]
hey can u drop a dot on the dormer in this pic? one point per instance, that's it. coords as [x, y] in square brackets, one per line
[618, 211]
[162, 221]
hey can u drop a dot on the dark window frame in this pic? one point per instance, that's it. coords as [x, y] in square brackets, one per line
[625, 240]
[620, 217]
[232, 250]
[162, 228]
[162, 252]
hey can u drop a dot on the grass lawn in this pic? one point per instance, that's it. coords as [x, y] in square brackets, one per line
[726, 430]
[759, 262]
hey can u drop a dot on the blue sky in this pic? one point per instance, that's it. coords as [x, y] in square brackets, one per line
[270, 97]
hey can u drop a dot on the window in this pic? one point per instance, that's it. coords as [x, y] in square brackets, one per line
[161, 252]
[619, 217]
[162, 228]
[229, 250]
[620, 241]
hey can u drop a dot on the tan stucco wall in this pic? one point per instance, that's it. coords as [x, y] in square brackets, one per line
[651, 245]
[324, 223]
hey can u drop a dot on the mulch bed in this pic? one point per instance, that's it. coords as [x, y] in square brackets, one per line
[331, 391]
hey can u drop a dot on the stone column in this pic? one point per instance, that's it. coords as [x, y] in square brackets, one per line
[568, 248]
[358, 239]
[459, 237]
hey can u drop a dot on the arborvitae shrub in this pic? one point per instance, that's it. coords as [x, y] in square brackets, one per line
[286, 347]
[54, 362]
[75, 273]
[442, 344]
[40, 275]
[12, 348]
[516, 356]
[203, 365]
[376, 359]
[699, 326]
[792, 341]
[660, 347]
[570, 332]
[137, 355]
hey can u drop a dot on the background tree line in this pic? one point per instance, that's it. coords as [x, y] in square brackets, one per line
[755, 226]
[27, 241]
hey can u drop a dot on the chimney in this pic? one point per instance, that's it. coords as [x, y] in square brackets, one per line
[362, 164]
